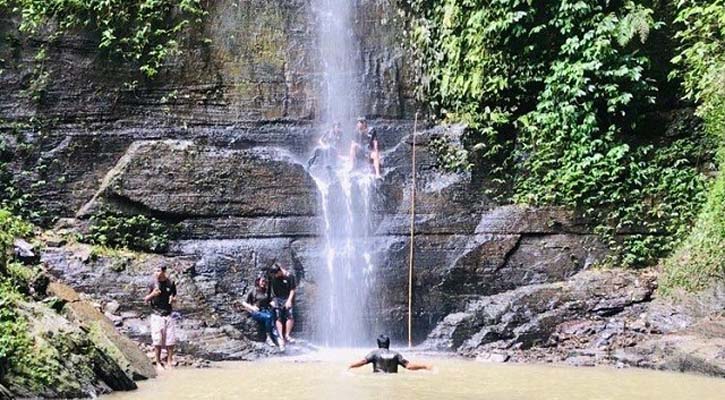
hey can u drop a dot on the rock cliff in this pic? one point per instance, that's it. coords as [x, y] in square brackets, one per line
[218, 145]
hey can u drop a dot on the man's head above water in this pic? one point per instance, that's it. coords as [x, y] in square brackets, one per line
[386, 360]
[383, 342]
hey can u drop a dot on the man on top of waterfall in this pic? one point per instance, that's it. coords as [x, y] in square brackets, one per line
[386, 360]
[365, 146]
[283, 287]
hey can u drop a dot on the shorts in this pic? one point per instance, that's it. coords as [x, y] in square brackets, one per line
[163, 330]
[281, 313]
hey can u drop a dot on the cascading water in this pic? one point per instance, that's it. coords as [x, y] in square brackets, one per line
[346, 194]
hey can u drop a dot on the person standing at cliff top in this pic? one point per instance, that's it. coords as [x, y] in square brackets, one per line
[283, 286]
[365, 146]
[386, 360]
[161, 296]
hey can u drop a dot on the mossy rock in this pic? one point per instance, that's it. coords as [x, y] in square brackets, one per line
[101, 331]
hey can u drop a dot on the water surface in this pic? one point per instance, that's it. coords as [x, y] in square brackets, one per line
[323, 376]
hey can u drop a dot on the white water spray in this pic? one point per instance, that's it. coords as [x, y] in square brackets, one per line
[342, 300]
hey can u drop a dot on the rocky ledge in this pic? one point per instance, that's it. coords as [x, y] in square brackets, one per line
[77, 351]
[594, 318]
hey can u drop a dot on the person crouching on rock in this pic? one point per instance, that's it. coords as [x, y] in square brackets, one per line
[259, 306]
[161, 296]
[386, 360]
[284, 286]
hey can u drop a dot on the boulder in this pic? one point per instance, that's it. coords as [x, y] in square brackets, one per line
[81, 368]
[530, 315]
[101, 330]
[180, 179]
[25, 252]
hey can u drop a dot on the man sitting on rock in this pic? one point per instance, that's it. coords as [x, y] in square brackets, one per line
[283, 287]
[365, 146]
[386, 360]
[161, 296]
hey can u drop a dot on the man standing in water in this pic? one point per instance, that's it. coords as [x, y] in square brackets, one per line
[366, 146]
[386, 360]
[284, 286]
[161, 296]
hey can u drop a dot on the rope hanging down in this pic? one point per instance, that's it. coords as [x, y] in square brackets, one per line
[412, 236]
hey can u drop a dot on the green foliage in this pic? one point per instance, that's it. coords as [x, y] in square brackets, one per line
[137, 232]
[555, 94]
[12, 197]
[143, 32]
[10, 228]
[701, 65]
[701, 259]
[19, 354]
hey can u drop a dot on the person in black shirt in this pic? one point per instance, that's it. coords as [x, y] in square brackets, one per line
[386, 360]
[161, 296]
[259, 305]
[366, 146]
[283, 288]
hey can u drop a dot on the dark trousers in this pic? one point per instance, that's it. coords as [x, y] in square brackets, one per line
[266, 318]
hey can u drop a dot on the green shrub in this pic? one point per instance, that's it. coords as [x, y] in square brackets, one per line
[10, 228]
[19, 355]
[142, 32]
[555, 96]
[700, 260]
[137, 232]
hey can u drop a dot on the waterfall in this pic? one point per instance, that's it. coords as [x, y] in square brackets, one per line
[346, 274]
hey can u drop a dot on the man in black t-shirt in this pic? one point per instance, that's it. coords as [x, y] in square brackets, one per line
[283, 287]
[386, 360]
[161, 296]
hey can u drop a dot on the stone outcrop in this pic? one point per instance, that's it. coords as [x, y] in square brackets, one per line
[593, 318]
[73, 342]
[122, 350]
[529, 316]
[181, 180]
[211, 323]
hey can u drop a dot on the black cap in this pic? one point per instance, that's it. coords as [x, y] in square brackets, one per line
[383, 342]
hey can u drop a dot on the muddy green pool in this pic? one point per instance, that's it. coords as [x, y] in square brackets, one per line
[324, 375]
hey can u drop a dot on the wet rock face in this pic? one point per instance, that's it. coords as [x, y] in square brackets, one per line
[530, 315]
[218, 144]
[592, 318]
[187, 181]
[251, 62]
